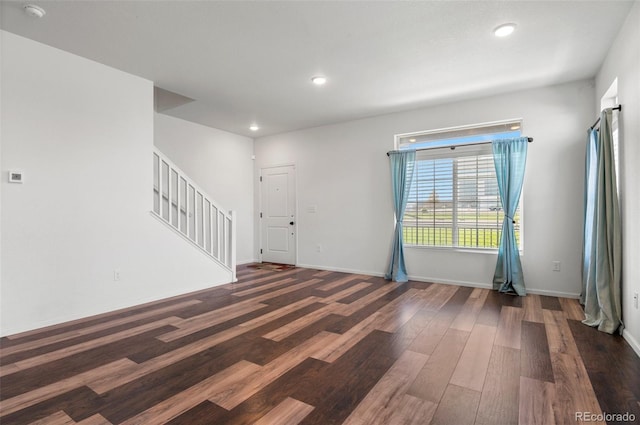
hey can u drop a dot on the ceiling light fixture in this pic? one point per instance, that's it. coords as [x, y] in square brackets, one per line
[254, 127]
[504, 30]
[34, 11]
[319, 80]
[515, 127]
[412, 140]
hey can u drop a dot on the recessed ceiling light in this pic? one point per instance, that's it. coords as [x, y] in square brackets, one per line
[254, 127]
[319, 80]
[504, 30]
[35, 11]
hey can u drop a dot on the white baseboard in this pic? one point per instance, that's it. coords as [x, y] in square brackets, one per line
[341, 270]
[68, 319]
[451, 282]
[443, 281]
[553, 293]
[490, 286]
[632, 341]
[242, 262]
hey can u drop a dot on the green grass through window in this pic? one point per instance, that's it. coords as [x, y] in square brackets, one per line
[443, 237]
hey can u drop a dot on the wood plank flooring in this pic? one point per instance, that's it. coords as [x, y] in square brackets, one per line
[305, 346]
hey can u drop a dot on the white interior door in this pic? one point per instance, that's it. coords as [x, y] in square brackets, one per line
[278, 217]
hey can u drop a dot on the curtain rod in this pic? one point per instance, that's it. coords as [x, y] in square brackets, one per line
[615, 108]
[529, 139]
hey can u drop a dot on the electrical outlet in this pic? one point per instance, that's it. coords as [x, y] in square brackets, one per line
[116, 275]
[556, 266]
[318, 248]
[635, 300]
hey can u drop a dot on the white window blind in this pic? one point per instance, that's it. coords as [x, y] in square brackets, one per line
[454, 200]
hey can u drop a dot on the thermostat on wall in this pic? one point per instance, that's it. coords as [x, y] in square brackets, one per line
[15, 177]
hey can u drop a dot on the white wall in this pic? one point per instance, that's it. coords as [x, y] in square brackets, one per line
[623, 62]
[83, 135]
[220, 163]
[343, 170]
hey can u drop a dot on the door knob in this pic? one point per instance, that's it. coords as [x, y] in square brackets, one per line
[291, 223]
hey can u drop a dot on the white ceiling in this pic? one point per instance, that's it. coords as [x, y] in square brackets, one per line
[246, 61]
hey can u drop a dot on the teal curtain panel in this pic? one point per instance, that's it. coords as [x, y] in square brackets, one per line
[510, 158]
[402, 167]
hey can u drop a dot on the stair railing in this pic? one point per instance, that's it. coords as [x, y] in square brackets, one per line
[187, 209]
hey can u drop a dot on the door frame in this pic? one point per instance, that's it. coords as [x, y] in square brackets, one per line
[295, 206]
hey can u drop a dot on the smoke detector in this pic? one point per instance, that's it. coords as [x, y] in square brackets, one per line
[34, 11]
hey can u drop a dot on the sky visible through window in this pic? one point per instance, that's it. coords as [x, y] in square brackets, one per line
[445, 166]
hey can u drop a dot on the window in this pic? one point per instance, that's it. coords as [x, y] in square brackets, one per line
[616, 148]
[610, 100]
[454, 200]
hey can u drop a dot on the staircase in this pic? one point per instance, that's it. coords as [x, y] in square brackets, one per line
[183, 206]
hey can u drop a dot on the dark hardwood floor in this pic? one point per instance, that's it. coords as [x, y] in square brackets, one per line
[316, 347]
